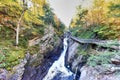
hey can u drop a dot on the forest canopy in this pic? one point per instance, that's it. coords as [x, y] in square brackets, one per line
[102, 19]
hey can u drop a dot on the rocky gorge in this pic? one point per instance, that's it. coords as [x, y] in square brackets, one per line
[30, 67]
[35, 44]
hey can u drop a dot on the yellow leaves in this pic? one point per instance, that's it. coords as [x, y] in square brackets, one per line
[105, 13]
[40, 10]
[14, 8]
[98, 13]
[102, 11]
[37, 21]
[8, 2]
[40, 2]
[38, 6]
[99, 3]
[57, 21]
[30, 17]
[34, 33]
[10, 8]
[27, 16]
[72, 25]
[115, 1]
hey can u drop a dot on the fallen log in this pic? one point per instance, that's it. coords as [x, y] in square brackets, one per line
[114, 44]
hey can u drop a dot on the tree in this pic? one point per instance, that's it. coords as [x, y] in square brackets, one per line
[18, 27]
[19, 21]
[78, 20]
[16, 15]
[102, 19]
[49, 15]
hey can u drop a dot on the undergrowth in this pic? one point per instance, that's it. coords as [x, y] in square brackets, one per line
[11, 55]
[101, 58]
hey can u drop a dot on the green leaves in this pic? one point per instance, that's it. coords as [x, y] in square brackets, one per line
[10, 57]
[49, 15]
[109, 32]
[103, 19]
[113, 7]
[114, 10]
[101, 58]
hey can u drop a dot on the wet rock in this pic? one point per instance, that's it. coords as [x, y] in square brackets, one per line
[76, 62]
[61, 76]
[37, 72]
[37, 65]
[72, 50]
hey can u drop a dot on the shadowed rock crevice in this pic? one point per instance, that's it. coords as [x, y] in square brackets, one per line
[37, 73]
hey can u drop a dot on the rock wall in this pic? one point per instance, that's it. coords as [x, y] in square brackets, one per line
[48, 41]
[29, 66]
[109, 71]
[98, 73]
[38, 72]
[50, 47]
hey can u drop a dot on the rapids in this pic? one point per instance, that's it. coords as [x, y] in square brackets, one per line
[58, 68]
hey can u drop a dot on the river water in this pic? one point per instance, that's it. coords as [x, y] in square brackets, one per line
[53, 66]
[58, 71]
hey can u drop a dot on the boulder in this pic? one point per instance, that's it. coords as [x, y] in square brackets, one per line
[99, 73]
[116, 60]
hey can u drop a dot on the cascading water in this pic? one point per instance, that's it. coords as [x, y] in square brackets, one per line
[58, 71]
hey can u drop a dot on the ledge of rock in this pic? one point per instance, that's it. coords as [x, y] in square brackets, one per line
[116, 60]
[17, 71]
[100, 73]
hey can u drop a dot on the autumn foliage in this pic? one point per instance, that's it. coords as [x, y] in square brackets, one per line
[103, 18]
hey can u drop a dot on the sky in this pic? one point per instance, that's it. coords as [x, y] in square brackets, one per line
[65, 9]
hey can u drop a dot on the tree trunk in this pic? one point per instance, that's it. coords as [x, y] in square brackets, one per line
[18, 28]
[17, 34]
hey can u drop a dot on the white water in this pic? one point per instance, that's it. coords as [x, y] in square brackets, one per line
[59, 65]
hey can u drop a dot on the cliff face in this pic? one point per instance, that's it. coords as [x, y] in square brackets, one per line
[91, 62]
[50, 46]
[47, 44]
[49, 40]
[104, 71]
[99, 73]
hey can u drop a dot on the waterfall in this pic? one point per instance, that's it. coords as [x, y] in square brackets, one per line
[58, 66]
